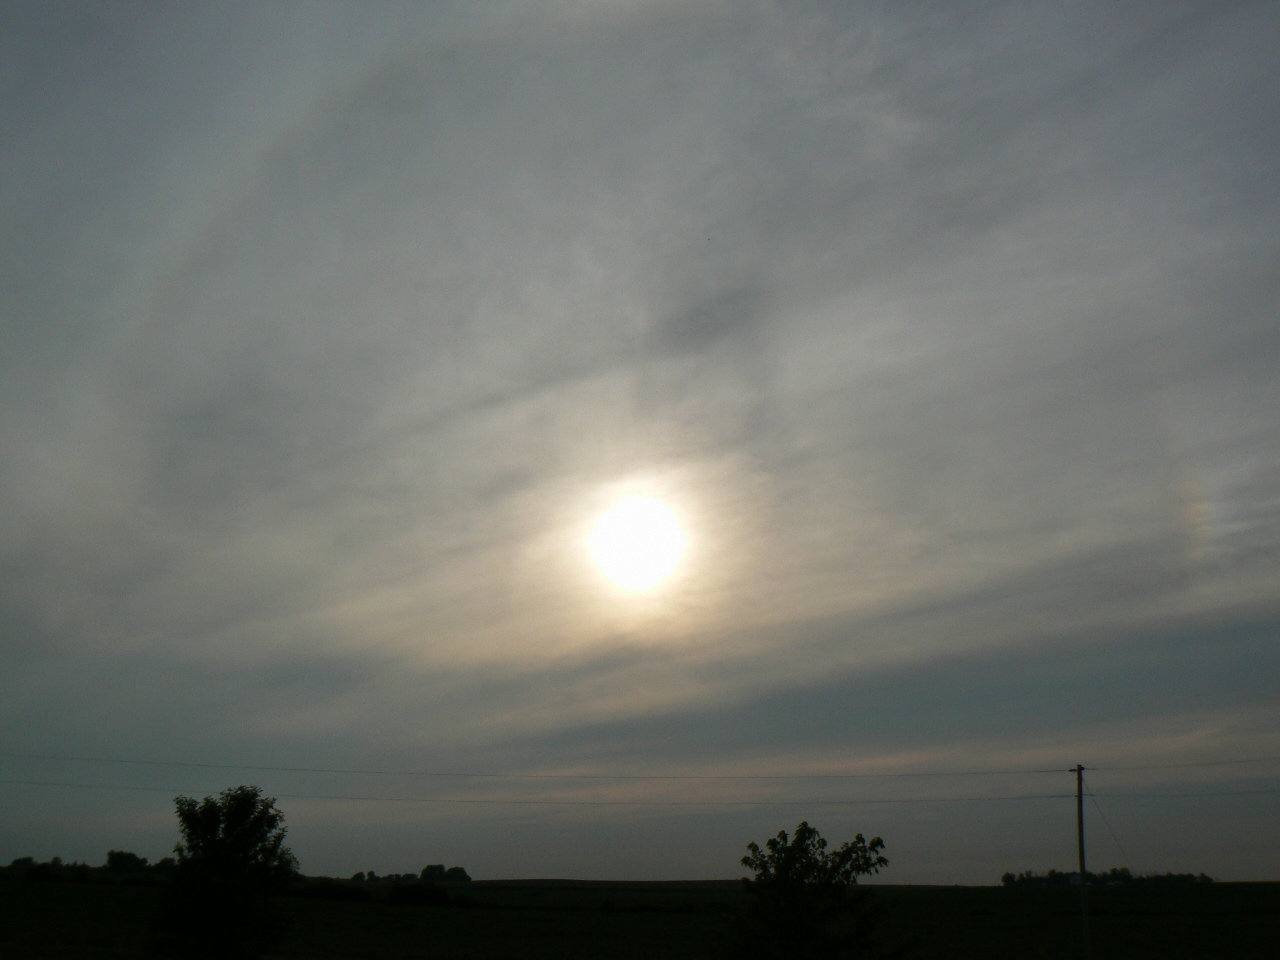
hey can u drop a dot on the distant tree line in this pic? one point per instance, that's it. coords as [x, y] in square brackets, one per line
[121, 867]
[431, 873]
[128, 867]
[1114, 876]
[430, 886]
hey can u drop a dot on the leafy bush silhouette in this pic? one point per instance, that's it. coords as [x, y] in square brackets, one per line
[231, 865]
[802, 900]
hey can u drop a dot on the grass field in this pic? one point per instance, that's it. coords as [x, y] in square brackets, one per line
[550, 919]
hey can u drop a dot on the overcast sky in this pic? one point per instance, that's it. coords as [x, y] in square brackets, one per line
[949, 332]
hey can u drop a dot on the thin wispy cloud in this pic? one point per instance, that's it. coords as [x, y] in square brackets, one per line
[948, 333]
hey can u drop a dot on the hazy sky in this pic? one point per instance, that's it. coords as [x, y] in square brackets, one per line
[949, 331]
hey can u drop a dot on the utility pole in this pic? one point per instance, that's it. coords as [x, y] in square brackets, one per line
[1084, 897]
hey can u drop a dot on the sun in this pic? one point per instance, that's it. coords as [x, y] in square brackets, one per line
[638, 543]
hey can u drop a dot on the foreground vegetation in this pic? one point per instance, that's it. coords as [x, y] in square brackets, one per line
[550, 919]
[232, 891]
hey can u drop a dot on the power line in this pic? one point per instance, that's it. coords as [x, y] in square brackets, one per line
[1179, 766]
[571, 803]
[1098, 807]
[1208, 793]
[606, 776]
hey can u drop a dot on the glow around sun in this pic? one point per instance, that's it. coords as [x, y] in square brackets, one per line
[638, 543]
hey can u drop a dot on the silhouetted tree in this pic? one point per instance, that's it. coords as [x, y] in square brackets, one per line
[231, 864]
[802, 901]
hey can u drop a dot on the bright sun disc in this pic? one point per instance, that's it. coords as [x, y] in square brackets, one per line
[638, 543]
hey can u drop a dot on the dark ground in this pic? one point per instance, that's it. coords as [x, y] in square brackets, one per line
[564, 919]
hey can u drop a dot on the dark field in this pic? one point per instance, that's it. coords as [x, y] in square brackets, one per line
[551, 919]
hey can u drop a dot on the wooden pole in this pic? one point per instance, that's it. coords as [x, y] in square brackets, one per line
[1084, 897]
